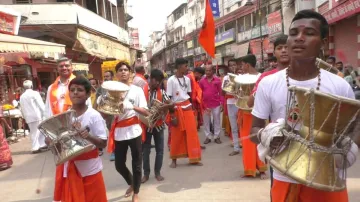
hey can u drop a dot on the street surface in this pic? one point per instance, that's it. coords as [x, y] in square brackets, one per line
[217, 181]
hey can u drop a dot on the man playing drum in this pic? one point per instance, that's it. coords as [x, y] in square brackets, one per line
[126, 132]
[307, 36]
[81, 179]
[156, 92]
[251, 161]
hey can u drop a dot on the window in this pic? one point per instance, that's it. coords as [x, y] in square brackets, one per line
[259, 15]
[241, 24]
[230, 25]
[247, 22]
[274, 6]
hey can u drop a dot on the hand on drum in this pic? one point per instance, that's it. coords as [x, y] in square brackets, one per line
[84, 133]
[276, 142]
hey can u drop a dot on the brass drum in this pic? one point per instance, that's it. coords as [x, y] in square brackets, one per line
[229, 86]
[155, 114]
[245, 83]
[112, 97]
[316, 123]
[65, 144]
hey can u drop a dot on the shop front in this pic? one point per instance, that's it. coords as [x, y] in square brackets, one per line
[344, 20]
[222, 42]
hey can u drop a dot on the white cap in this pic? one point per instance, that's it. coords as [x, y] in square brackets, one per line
[28, 84]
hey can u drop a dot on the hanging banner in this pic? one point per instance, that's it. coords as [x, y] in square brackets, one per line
[274, 23]
[214, 4]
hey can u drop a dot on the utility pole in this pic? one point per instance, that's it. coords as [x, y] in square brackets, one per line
[261, 38]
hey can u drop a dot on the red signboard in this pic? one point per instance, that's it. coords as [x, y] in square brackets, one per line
[342, 11]
[274, 23]
[7, 23]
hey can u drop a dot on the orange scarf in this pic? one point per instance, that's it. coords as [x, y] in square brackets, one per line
[119, 124]
[158, 97]
[74, 177]
[54, 100]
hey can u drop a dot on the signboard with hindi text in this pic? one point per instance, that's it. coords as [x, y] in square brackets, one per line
[274, 23]
[9, 21]
[225, 37]
[342, 11]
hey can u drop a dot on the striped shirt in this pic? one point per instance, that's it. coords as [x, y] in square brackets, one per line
[153, 96]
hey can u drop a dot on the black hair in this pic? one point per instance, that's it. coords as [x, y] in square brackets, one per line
[272, 59]
[111, 72]
[120, 64]
[146, 76]
[310, 14]
[63, 59]
[250, 59]
[199, 70]
[94, 80]
[231, 60]
[157, 75]
[139, 69]
[82, 81]
[280, 40]
[332, 58]
[339, 62]
[180, 61]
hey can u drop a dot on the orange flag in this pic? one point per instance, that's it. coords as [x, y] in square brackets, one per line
[207, 33]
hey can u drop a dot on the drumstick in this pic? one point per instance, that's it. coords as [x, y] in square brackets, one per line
[41, 173]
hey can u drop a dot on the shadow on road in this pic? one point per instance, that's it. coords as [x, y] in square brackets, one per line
[176, 187]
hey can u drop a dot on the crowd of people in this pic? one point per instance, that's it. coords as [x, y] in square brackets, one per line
[193, 98]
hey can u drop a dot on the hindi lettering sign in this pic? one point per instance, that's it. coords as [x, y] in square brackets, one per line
[274, 24]
[214, 4]
[342, 11]
[225, 37]
[9, 22]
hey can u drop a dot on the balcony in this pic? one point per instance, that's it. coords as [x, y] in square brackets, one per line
[69, 14]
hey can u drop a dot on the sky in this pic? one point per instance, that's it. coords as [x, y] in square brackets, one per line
[150, 15]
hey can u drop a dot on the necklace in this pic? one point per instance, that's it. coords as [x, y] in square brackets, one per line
[183, 86]
[319, 78]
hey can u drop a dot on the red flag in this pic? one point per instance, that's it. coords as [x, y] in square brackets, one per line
[207, 33]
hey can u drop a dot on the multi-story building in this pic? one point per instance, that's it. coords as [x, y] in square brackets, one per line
[157, 47]
[175, 32]
[92, 30]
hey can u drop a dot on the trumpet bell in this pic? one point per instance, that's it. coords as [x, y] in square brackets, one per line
[112, 97]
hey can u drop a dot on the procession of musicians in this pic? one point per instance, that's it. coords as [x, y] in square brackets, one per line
[256, 110]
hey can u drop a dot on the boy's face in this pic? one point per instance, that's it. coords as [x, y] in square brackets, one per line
[281, 53]
[154, 84]
[93, 83]
[197, 75]
[78, 94]
[123, 74]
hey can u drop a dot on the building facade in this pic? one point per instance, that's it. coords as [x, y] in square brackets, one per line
[92, 30]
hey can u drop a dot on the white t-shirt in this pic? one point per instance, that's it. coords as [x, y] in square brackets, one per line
[229, 100]
[97, 125]
[271, 97]
[137, 97]
[178, 88]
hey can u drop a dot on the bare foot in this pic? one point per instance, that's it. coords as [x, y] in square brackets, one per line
[263, 176]
[173, 164]
[144, 179]
[129, 192]
[197, 164]
[135, 198]
[246, 176]
[159, 178]
[234, 153]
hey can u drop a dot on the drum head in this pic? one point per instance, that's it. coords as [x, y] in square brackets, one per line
[115, 86]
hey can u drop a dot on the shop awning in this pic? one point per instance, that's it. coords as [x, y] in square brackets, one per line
[80, 67]
[10, 43]
[99, 46]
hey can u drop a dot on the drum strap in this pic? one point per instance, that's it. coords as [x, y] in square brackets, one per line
[74, 178]
[54, 100]
[119, 124]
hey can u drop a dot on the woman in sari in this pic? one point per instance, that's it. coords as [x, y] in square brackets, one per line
[5, 154]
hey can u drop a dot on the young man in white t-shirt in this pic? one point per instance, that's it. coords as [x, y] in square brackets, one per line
[184, 137]
[83, 173]
[307, 35]
[126, 132]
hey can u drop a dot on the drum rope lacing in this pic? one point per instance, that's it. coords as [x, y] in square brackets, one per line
[311, 144]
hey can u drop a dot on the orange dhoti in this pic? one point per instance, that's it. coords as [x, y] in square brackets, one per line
[75, 188]
[251, 160]
[289, 192]
[184, 137]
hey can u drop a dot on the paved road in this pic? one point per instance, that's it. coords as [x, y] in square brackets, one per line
[217, 181]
